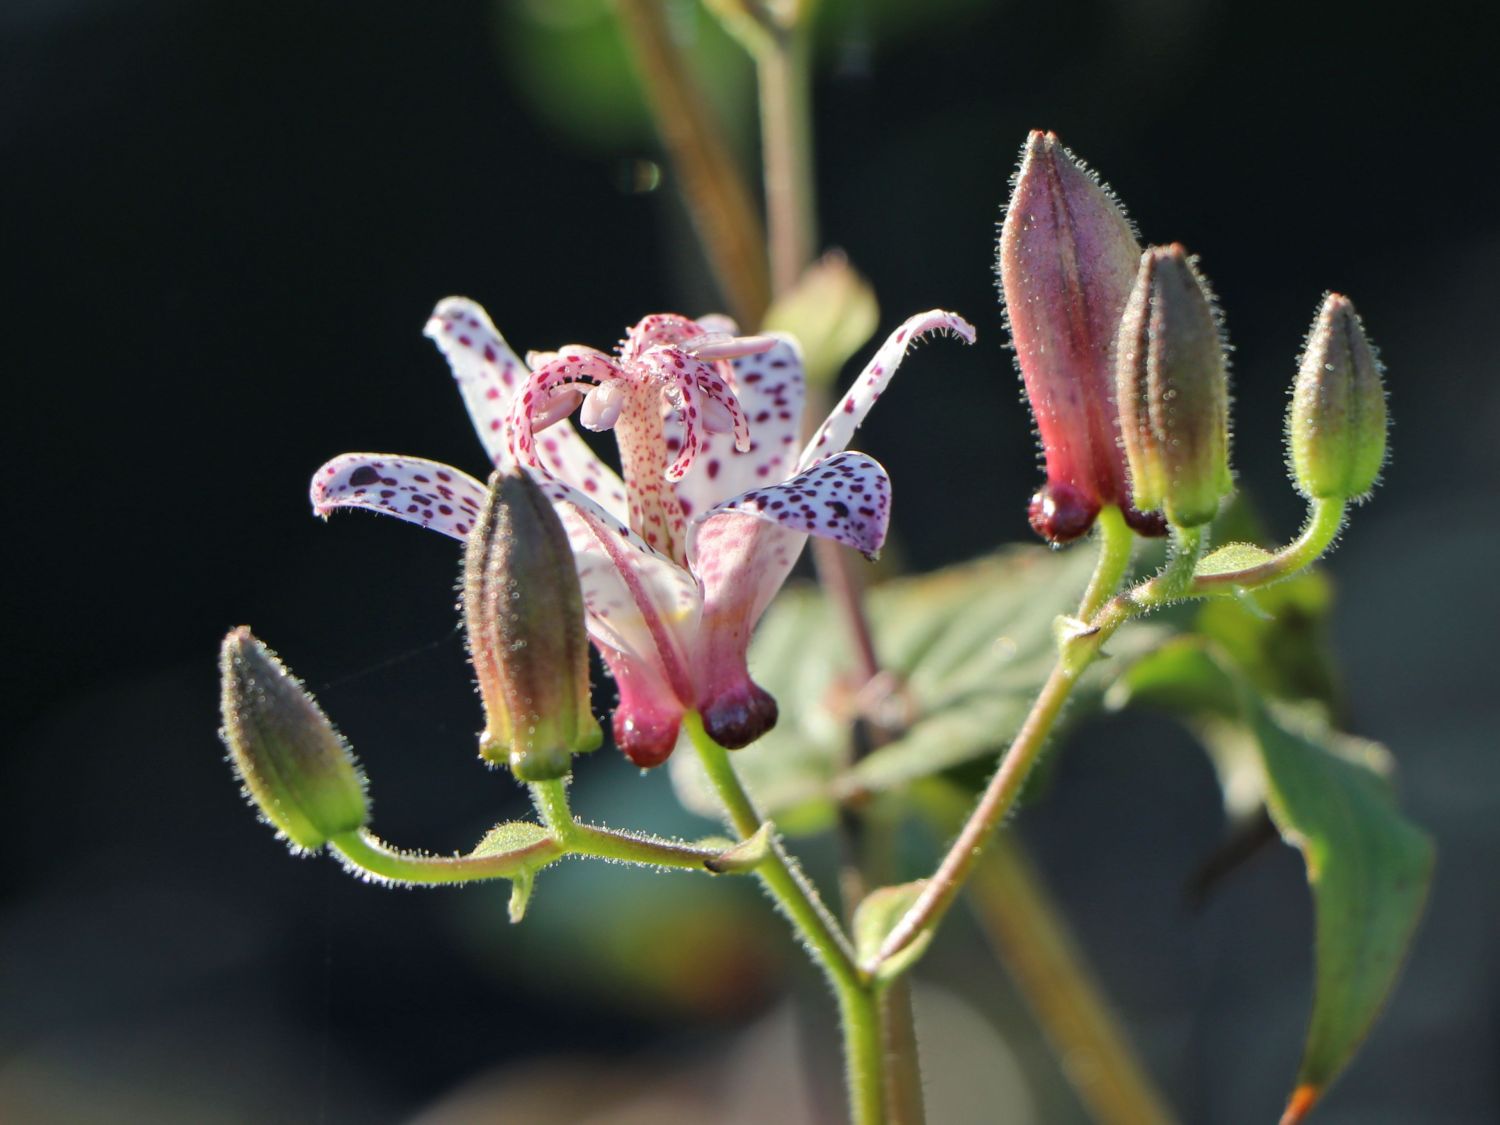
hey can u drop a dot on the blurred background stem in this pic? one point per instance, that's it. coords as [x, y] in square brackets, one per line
[717, 195]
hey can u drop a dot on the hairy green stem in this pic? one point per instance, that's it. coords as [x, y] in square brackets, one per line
[362, 851]
[551, 799]
[998, 797]
[1325, 519]
[1116, 544]
[818, 930]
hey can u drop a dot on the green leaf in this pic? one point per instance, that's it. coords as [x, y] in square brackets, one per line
[1281, 638]
[874, 919]
[965, 651]
[513, 836]
[1369, 869]
[1329, 796]
[1180, 676]
[1231, 557]
[746, 856]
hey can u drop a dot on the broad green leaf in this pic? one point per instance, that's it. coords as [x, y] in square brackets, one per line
[1281, 640]
[1181, 676]
[876, 916]
[1369, 869]
[965, 650]
[1329, 796]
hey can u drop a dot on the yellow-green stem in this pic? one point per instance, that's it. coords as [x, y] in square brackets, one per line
[1116, 543]
[799, 900]
[364, 852]
[1325, 518]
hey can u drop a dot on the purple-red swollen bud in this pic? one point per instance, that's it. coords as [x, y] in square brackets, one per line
[524, 611]
[1067, 261]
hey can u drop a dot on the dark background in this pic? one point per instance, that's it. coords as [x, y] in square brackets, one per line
[223, 227]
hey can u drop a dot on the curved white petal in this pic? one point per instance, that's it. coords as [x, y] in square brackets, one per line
[423, 492]
[834, 434]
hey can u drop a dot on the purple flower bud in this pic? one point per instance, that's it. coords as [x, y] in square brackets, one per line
[524, 610]
[1173, 391]
[1067, 261]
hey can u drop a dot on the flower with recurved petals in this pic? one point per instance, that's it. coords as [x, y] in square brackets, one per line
[680, 553]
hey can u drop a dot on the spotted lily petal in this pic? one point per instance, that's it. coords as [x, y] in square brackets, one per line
[422, 492]
[769, 387]
[846, 498]
[486, 370]
[489, 376]
[834, 434]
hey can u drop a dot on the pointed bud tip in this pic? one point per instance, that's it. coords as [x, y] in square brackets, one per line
[291, 761]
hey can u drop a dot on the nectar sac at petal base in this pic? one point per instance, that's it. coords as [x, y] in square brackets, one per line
[679, 553]
[1067, 261]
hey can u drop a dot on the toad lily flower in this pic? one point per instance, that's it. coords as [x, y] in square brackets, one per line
[679, 559]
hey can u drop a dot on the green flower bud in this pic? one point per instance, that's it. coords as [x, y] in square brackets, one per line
[524, 611]
[1336, 426]
[1173, 391]
[294, 765]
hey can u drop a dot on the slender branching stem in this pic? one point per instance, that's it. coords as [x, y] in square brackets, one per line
[1116, 544]
[816, 926]
[784, 79]
[1325, 519]
[717, 195]
[365, 853]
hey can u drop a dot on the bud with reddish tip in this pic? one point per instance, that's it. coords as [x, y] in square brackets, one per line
[293, 764]
[1067, 261]
[524, 611]
[1173, 391]
[1337, 422]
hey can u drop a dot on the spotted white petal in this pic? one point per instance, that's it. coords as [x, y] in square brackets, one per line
[486, 370]
[769, 388]
[846, 498]
[834, 434]
[489, 377]
[422, 492]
